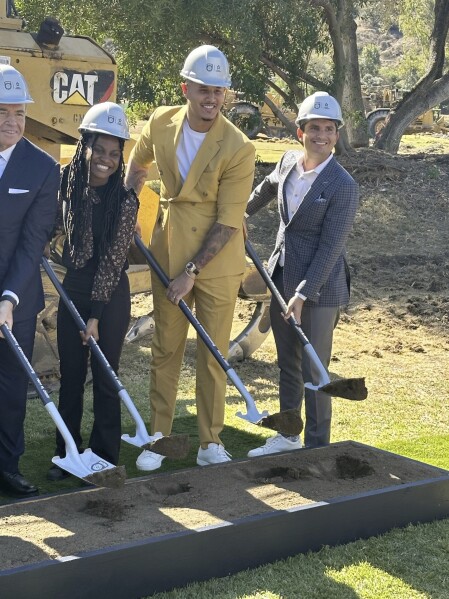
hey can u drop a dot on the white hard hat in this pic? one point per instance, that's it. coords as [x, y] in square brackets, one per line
[207, 65]
[13, 88]
[108, 118]
[319, 105]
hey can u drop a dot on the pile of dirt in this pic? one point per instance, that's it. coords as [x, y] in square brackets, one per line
[60, 526]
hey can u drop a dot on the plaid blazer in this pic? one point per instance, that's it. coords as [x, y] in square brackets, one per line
[314, 238]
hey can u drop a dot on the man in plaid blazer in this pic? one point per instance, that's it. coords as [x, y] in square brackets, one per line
[317, 201]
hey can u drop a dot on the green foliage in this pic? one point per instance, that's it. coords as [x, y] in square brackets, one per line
[150, 39]
[369, 60]
[409, 70]
[380, 15]
[416, 19]
[139, 111]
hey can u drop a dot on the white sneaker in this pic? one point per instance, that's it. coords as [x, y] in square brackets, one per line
[275, 444]
[148, 460]
[214, 454]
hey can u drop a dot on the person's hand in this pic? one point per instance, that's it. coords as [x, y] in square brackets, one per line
[245, 229]
[294, 307]
[138, 229]
[179, 287]
[91, 330]
[6, 309]
[47, 250]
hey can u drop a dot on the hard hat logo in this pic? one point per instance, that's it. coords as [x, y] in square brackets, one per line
[13, 88]
[317, 106]
[207, 65]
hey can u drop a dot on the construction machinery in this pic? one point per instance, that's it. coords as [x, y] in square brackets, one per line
[380, 100]
[66, 75]
[254, 118]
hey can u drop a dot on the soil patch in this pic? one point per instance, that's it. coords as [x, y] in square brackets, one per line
[56, 527]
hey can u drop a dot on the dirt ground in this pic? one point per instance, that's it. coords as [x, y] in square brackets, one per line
[399, 257]
[159, 504]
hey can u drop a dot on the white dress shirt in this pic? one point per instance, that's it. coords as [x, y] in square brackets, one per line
[5, 155]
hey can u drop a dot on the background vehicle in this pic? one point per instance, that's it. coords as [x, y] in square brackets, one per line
[380, 100]
[253, 119]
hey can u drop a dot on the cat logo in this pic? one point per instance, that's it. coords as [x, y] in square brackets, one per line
[82, 89]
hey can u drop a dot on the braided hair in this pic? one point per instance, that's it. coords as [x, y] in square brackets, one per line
[76, 190]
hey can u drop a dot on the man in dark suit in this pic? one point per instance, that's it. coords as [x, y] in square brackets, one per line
[29, 182]
[317, 202]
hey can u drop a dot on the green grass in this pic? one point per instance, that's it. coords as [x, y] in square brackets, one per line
[411, 563]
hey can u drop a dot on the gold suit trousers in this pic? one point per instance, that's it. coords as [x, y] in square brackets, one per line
[214, 301]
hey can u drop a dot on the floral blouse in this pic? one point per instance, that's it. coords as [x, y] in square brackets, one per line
[112, 261]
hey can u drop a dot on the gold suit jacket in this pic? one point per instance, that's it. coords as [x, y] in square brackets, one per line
[216, 189]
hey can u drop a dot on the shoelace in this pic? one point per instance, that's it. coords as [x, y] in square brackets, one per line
[222, 452]
[272, 440]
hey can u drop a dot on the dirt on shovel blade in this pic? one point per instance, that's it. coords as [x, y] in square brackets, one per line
[353, 389]
[288, 422]
[113, 478]
[173, 446]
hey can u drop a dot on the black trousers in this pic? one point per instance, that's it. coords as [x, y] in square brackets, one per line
[13, 395]
[106, 432]
[295, 367]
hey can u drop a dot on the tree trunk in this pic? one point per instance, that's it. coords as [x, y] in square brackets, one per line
[347, 88]
[352, 91]
[291, 127]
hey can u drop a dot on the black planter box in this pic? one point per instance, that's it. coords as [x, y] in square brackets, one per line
[158, 564]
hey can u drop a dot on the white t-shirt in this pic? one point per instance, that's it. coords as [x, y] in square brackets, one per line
[189, 144]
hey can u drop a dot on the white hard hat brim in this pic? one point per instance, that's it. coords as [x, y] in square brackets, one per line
[14, 102]
[310, 117]
[211, 82]
[102, 132]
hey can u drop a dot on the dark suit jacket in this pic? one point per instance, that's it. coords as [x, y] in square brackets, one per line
[315, 237]
[28, 201]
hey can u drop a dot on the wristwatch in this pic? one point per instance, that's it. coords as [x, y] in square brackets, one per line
[191, 269]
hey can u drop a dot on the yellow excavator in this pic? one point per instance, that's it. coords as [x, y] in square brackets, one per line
[66, 75]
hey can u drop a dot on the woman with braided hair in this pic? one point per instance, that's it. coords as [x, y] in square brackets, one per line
[98, 216]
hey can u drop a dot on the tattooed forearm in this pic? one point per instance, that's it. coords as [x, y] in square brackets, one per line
[136, 176]
[215, 240]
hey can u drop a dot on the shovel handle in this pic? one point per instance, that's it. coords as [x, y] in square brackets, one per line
[97, 351]
[274, 290]
[308, 348]
[81, 324]
[255, 416]
[182, 305]
[25, 363]
[45, 398]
